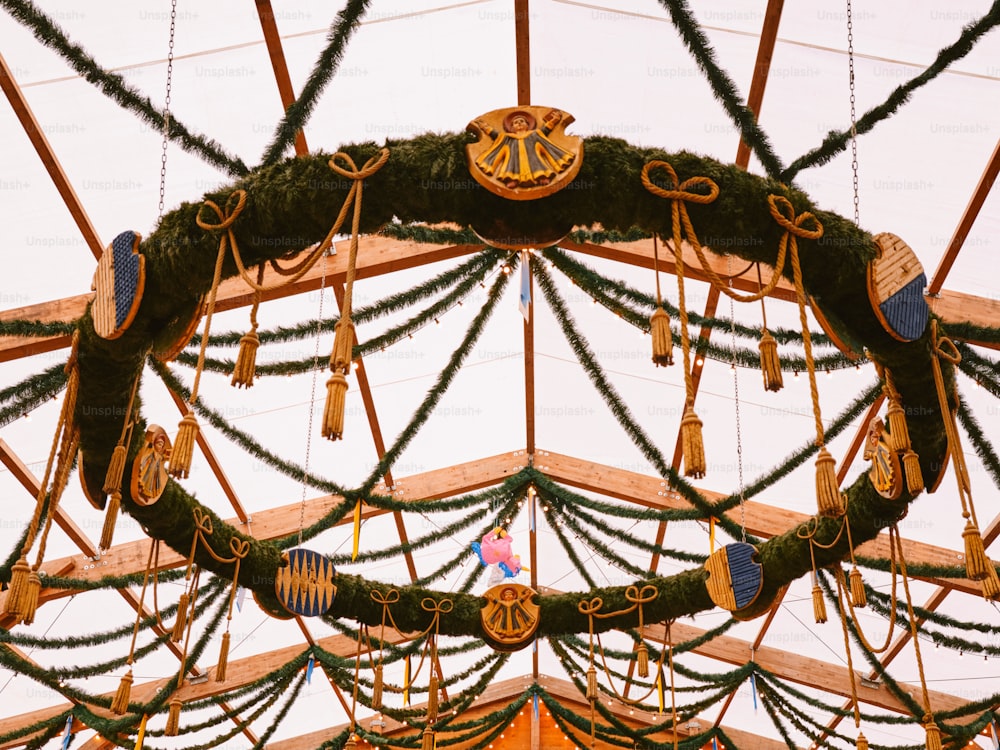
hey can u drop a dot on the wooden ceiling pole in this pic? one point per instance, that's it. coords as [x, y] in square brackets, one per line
[381, 255]
[972, 210]
[522, 36]
[277, 54]
[44, 150]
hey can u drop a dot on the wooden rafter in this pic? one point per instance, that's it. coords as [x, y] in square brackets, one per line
[36, 135]
[969, 216]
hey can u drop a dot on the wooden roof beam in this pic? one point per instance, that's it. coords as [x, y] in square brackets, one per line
[972, 210]
[41, 144]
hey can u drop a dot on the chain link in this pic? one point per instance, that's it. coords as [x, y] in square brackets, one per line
[854, 129]
[312, 393]
[736, 396]
[166, 106]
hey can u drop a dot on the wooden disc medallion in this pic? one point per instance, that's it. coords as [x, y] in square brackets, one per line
[735, 577]
[305, 586]
[896, 283]
[119, 282]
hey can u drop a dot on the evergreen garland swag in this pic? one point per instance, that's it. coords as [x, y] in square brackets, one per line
[290, 206]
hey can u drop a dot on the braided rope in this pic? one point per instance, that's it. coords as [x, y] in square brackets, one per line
[679, 195]
[793, 226]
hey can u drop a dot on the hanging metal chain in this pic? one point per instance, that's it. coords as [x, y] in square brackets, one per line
[736, 396]
[166, 105]
[312, 393]
[854, 130]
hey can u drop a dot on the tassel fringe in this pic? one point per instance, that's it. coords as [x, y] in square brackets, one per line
[183, 451]
[770, 364]
[246, 360]
[828, 497]
[899, 435]
[181, 622]
[116, 469]
[110, 518]
[642, 660]
[31, 593]
[16, 593]
[333, 413]
[991, 586]
[220, 668]
[120, 704]
[933, 733]
[692, 444]
[663, 341]
[592, 684]
[173, 718]
[819, 605]
[914, 476]
[977, 565]
[862, 743]
[432, 699]
[377, 689]
[429, 740]
[859, 598]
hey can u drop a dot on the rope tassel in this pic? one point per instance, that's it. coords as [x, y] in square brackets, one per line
[663, 341]
[377, 689]
[220, 668]
[819, 605]
[933, 733]
[246, 361]
[991, 586]
[116, 469]
[181, 622]
[120, 704]
[333, 411]
[914, 475]
[642, 660]
[592, 684]
[977, 564]
[429, 740]
[692, 444]
[31, 593]
[183, 451]
[859, 598]
[828, 497]
[862, 743]
[18, 590]
[770, 364]
[432, 698]
[110, 519]
[173, 718]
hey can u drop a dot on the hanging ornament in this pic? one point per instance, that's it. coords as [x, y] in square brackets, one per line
[509, 617]
[244, 369]
[735, 577]
[305, 584]
[149, 469]
[896, 283]
[659, 323]
[344, 338]
[899, 435]
[693, 447]
[886, 474]
[119, 282]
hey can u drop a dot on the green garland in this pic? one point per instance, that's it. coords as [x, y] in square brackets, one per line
[722, 86]
[298, 112]
[836, 142]
[290, 206]
[31, 393]
[116, 88]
